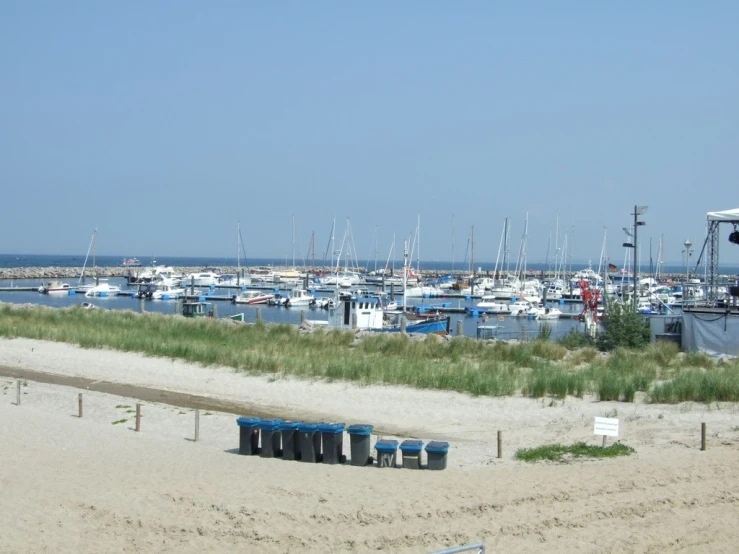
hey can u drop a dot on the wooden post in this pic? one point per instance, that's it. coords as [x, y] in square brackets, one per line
[259, 314]
[460, 328]
[138, 417]
[354, 322]
[302, 316]
[79, 405]
[18, 395]
[141, 305]
[197, 425]
[605, 438]
[703, 436]
[176, 307]
[215, 311]
[403, 323]
[500, 444]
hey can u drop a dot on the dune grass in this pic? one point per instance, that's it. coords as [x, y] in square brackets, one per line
[538, 368]
[563, 453]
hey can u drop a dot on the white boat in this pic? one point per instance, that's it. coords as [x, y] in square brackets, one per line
[201, 279]
[251, 297]
[491, 304]
[520, 308]
[296, 297]
[423, 292]
[167, 291]
[544, 312]
[55, 287]
[103, 289]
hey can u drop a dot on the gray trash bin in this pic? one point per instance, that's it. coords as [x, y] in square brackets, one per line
[411, 450]
[310, 442]
[290, 440]
[436, 452]
[386, 452]
[248, 435]
[332, 440]
[360, 436]
[271, 442]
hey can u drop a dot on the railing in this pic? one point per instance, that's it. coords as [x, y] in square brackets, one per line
[479, 548]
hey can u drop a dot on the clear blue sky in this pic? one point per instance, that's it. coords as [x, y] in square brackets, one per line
[164, 123]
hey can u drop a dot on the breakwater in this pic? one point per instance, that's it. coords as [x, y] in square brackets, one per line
[61, 272]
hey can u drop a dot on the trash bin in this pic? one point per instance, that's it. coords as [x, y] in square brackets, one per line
[310, 442]
[270, 429]
[332, 439]
[290, 440]
[386, 451]
[436, 452]
[248, 435]
[411, 450]
[359, 437]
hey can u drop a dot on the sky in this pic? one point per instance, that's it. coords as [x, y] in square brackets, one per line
[165, 125]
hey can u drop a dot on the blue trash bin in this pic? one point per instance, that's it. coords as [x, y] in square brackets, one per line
[411, 450]
[436, 452]
[290, 440]
[360, 436]
[248, 435]
[271, 443]
[310, 442]
[386, 452]
[332, 440]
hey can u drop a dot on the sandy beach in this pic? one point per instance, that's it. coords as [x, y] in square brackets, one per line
[91, 485]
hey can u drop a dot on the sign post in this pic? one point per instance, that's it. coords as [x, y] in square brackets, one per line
[606, 426]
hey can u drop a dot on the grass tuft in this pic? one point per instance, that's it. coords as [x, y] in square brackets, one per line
[565, 453]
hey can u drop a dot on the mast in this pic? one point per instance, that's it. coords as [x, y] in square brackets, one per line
[375, 248]
[418, 236]
[238, 247]
[405, 273]
[472, 260]
[94, 250]
[293, 240]
[452, 243]
[506, 233]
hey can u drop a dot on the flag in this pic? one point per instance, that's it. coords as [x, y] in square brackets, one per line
[612, 267]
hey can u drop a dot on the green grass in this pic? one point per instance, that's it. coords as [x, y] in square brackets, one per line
[564, 453]
[538, 368]
[119, 422]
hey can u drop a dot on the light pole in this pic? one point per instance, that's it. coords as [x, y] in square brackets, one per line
[688, 252]
[638, 210]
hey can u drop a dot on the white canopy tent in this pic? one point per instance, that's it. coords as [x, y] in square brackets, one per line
[727, 215]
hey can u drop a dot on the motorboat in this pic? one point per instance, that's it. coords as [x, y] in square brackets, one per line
[251, 297]
[299, 297]
[131, 262]
[520, 308]
[167, 291]
[103, 289]
[423, 292]
[201, 279]
[367, 313]
[55, 287]
[491, 305]
[543, 312]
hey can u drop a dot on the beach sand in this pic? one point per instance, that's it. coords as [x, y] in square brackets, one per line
[91, 485]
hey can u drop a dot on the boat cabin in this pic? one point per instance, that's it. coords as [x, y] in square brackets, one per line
[366, 311]
[195, 309]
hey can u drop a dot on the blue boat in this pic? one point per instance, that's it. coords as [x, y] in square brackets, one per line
[368, 313]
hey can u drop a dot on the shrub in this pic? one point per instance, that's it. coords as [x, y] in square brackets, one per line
[576, 339]
[545, 332]
[623, 328]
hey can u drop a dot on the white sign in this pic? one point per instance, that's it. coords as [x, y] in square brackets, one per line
[607, 426]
